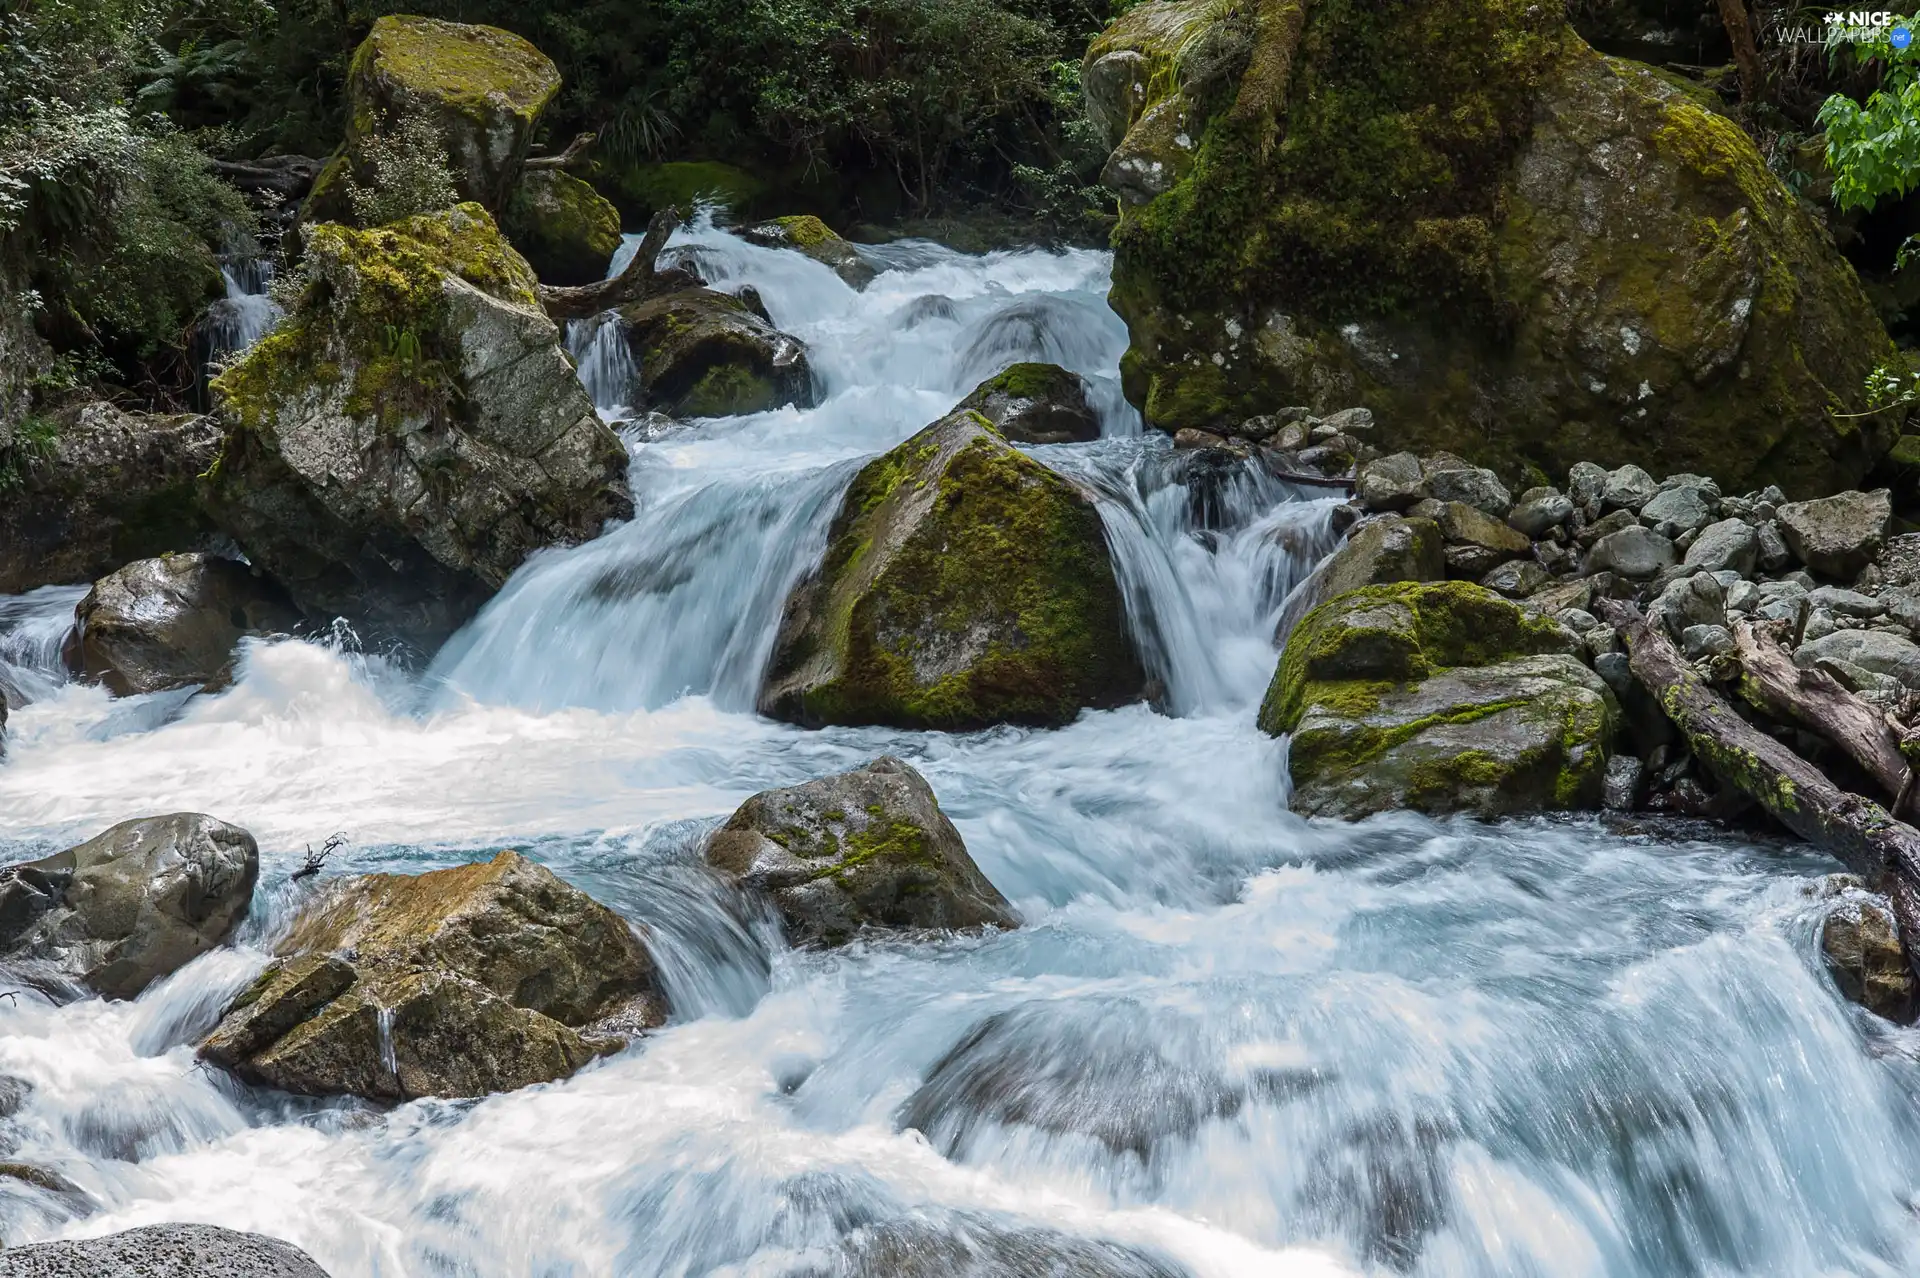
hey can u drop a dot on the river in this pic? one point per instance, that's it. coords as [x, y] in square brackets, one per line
[1226, 1042]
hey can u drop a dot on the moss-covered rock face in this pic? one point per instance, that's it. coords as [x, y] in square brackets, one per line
[412, 431]
[485, 88]
[1457, 213]
[1036, 404]
[1440, 697]
[807, 234]
[867, 848]
[460, 982]
[566, 230]
[705, 354]
[964, 585]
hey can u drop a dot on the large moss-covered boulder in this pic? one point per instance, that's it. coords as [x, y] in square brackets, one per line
[567, 231]
[412, 431]
[131, 905]
[1457, 213]
[1033, 403]
[964, 585]
[94, 488]
[867, 848]
[815, 239]
[175, 620]
[459, 982]
[1441, 697]
[699, 353]
[484, 87]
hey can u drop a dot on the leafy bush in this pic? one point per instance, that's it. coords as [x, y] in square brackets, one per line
[409, 169]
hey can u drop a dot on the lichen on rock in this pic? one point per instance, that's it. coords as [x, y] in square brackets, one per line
[567, 231]
[964, 585]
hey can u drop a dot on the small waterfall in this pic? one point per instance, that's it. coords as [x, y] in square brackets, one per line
[33, 635]
[599, 349]
[247, 312]
[383, 1027]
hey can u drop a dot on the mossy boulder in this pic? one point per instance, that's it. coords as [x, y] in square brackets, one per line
[412, 431]
[174, 621]
[459, 982]
[1036, 404]
[1440, 697]
[867, 848]
[700, 353]
[964, 585]
[103, 488]
[484, 87]
[810, 236]
[1457, 213]
[567, 231]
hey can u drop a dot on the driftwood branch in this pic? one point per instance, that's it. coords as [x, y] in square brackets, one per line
[639, 279]
[569, 158]
[1858, 831]
[1815, 700]
[287, 176]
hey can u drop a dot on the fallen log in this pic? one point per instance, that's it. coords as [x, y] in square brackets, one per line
[1816, 701]
[1861, 833]
[574, 155]
[638, 281]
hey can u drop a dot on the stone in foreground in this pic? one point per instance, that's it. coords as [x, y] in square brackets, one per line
[1838, 536]
[1036, 404]
[964, 585]
[459, 982]
[132, 905]
[175, 621]
[1861, 942]
[162, 1251]
[1443, 698]
[705, 354]
[867, 848]
[412, 431]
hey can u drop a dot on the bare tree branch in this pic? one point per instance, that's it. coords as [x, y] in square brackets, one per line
[567, 159]
[639, 279]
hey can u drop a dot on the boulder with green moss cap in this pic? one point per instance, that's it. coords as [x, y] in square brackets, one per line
[1459, 214]
[700, 353]
[566, 230]
[412, 431]
[867, 848]
[1036, 404]
[459, 982]
[964, 585]
[809, 235]
[1440, 697]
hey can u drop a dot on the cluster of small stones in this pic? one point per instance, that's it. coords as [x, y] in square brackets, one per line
[1294, 440]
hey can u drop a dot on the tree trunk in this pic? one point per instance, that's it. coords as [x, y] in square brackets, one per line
[639, 279]
[1858, 831]
[1814, 700]
[1746, 55]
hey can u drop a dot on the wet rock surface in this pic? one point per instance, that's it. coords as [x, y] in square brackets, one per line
[174, 621]
[162, 1251]
[1035, 404]
[700, 353]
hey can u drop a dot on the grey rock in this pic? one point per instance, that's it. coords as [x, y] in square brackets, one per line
[1036, 404]
[1586, 483]
[1634, 552]
[1606, 526]
[1614, 670]
[1706, 641]
[1838, 536]
[1730, 545]
[1539, 510]
[1577, 620]
[1903, 606]
[1517, 579]
[1708, 488]
[1472, 486]
[1736, 508]
[1873, 650]
[1628, 488]
[1786, 588]
[1674, 511]
[1620, 792]
[162, 1251]
[1790, 609]
[174, 621]
[132, 905]
[1773, 554]
[1465, 524]
[867, 848]
[1601, 640]
[1743, 596]
[1819, 624]
[1861, 942]
[1899, 562]
[1394, 482]
[1349, 420]
[1697, 600]
[1842, 602]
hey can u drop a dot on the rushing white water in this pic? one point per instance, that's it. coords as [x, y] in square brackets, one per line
[243, 316]
[1226, 1042]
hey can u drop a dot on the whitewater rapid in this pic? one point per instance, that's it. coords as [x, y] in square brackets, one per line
[1226, 1042]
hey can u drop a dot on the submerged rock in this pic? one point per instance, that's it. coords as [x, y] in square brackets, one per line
[111, 487]
[971, 1246]
[1465, 216]
[812, 237]
[964, 585]
[566, 230]
[1438, 697]
[173, 621]
[132, 905]
[705, 354]
[1036, 404]
[459, 982]
[412, 431]
[867, 848]
[162, 1251]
